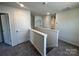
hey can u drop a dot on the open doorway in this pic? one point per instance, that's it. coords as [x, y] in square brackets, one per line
[4, 28]
[1, 32]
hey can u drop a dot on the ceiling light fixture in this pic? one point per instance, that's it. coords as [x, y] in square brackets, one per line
[21, 5]
[48, 13]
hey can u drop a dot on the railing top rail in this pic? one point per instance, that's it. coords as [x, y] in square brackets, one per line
[36, 31]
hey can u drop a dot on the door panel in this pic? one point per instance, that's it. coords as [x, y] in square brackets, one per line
[21, 27]
[6, 28]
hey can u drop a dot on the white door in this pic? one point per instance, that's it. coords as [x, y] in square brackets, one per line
[6, 28]
[22, 27]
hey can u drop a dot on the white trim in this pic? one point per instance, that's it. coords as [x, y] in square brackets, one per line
[45, 45]
[75, 44]
[39, 32]
[45, 41]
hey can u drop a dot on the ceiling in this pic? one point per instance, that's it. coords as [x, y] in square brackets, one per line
[38, 8]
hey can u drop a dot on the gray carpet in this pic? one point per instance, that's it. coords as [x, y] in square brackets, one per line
[24, 49]
[64, 49]
[27, 49]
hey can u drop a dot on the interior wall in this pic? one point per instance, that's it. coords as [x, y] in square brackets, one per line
[20, 23]
[32, 21]
[46, 20]
[68, 25]
[52, 22]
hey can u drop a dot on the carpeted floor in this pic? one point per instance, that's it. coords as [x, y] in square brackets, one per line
[23, 49]
[64, 49]
[27, 49]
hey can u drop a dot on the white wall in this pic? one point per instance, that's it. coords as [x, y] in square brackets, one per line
[52, 22]
[46, 20]
[32, 21]
[68, 25]
[19, 23]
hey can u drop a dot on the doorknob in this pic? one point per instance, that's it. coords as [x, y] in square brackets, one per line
[17, 31]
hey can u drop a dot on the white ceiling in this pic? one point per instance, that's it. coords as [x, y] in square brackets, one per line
[38, 8]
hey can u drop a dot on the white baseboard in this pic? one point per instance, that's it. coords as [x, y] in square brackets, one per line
[75, 44]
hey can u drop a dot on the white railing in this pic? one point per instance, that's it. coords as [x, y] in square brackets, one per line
[39, 40]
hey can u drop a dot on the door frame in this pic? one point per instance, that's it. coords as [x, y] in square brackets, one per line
[2, 27]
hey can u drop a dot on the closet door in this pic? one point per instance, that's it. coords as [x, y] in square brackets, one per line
[6, 28]
[22, 25]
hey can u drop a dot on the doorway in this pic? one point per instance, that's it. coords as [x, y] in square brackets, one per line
[4, 28]
[1, 32]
